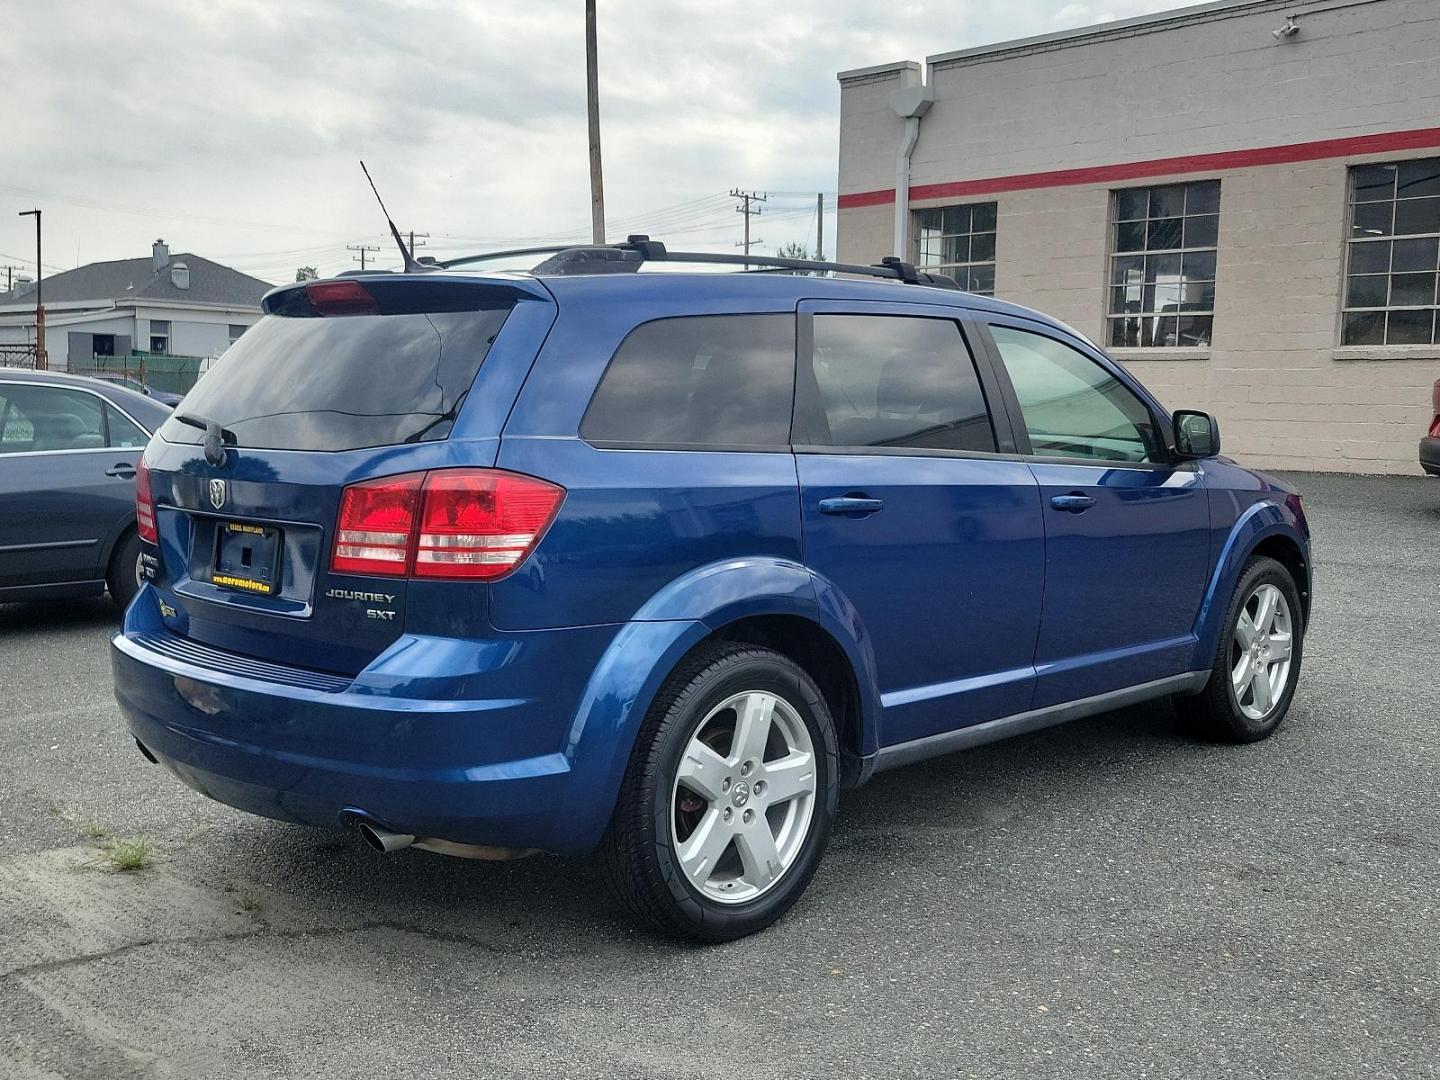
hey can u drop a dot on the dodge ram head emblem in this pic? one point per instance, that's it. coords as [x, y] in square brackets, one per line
[217, 493]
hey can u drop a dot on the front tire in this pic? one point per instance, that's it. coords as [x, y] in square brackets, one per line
[1257, 661]
[123, 576]
[727, 803]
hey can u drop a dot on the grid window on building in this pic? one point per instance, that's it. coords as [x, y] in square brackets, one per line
[1162, 265]
[959, 241]
[1393, 254]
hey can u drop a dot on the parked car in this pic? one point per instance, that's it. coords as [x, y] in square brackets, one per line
[660, 562]
[68, 452]
[165, 397]
[1430, 444]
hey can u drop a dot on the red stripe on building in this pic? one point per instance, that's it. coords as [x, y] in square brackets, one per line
[1136, 170]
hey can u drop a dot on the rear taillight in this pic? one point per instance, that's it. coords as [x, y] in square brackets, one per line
[1435, 408]
[480, 523]
[450, 523]
[376, 526]
[144, 505]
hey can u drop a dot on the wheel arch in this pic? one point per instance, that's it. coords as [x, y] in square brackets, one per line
[771, 602]
[1265, 528]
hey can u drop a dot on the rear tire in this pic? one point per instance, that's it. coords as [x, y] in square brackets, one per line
[727, 802]
[123, 577]
[1257, 661]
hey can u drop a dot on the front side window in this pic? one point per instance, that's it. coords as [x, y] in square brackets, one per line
[1162, 265]
[49, 418]
[1072, 407]
[698, 382]
[893, 381]
[1391, 259]
[959, 241]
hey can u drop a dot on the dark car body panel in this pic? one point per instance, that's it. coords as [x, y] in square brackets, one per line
[63, 511]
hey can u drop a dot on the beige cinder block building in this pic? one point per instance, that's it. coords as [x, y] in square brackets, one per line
[1240, 200]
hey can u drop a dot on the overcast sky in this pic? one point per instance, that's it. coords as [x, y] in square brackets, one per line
[232, 128]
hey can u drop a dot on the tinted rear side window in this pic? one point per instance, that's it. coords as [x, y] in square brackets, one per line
[701, 382]
[893, 381]
[343, 383]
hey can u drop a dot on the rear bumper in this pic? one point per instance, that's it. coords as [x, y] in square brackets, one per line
[1430, 455]
[422, 741]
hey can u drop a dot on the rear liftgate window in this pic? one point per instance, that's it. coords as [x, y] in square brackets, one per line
[393, 370]
[704, 382]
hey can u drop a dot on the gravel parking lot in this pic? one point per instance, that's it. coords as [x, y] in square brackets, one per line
[1111, 898]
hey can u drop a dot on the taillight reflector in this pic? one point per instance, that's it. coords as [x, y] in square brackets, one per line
[449, 523]
[144, 505]
[376, 523]
[341, 298]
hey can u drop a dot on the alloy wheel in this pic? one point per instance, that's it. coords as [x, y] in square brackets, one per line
[743, 797]
[1260, 651]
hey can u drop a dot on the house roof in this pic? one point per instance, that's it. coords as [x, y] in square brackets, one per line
[136, 279]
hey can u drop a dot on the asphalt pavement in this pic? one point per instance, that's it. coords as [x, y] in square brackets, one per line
[1108, 899]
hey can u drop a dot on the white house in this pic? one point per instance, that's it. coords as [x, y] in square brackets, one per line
[175, 305]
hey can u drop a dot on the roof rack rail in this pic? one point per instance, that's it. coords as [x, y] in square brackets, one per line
[639, 249]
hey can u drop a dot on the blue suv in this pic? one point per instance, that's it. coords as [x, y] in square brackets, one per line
[659, 563]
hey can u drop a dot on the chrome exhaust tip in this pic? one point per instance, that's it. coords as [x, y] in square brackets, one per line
[383, 840]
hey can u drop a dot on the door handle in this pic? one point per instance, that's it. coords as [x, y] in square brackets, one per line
[1074, 503]
[851, 504]
[122, 469]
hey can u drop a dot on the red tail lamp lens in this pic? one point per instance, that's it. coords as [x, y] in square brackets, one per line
[475, 524]
[144, 505]
[481, 523]
[377, 520]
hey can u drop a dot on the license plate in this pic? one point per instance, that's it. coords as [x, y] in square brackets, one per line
[247, 558]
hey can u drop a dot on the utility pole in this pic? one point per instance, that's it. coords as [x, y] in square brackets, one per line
[42, 360]
[746, 198]
[362, 249]
[592, 107]
[819, 226]
[10, 276]
[413, 234]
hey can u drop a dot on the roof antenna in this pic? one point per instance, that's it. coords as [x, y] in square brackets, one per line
[411, 266]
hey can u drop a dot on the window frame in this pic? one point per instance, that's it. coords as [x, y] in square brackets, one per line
[968, 265]
[1112, 253]
[690, 448]
[105, 403]
[1163, 421]
[1350, 243]
[801, 434]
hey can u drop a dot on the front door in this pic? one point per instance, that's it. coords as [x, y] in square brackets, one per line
[64, 486]
[913, 514]
[1127, 547]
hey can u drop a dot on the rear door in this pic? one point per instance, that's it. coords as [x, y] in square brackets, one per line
[917, 508]
[319, 395]
[1127, 542]
[66, 484]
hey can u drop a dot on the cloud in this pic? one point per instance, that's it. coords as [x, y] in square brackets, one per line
[233, 127]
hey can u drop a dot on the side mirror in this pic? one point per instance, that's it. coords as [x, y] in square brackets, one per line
[1197, 434]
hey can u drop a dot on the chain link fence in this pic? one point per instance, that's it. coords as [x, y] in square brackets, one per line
[159, 371]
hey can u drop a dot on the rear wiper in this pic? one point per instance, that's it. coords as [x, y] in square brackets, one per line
[216, 437]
